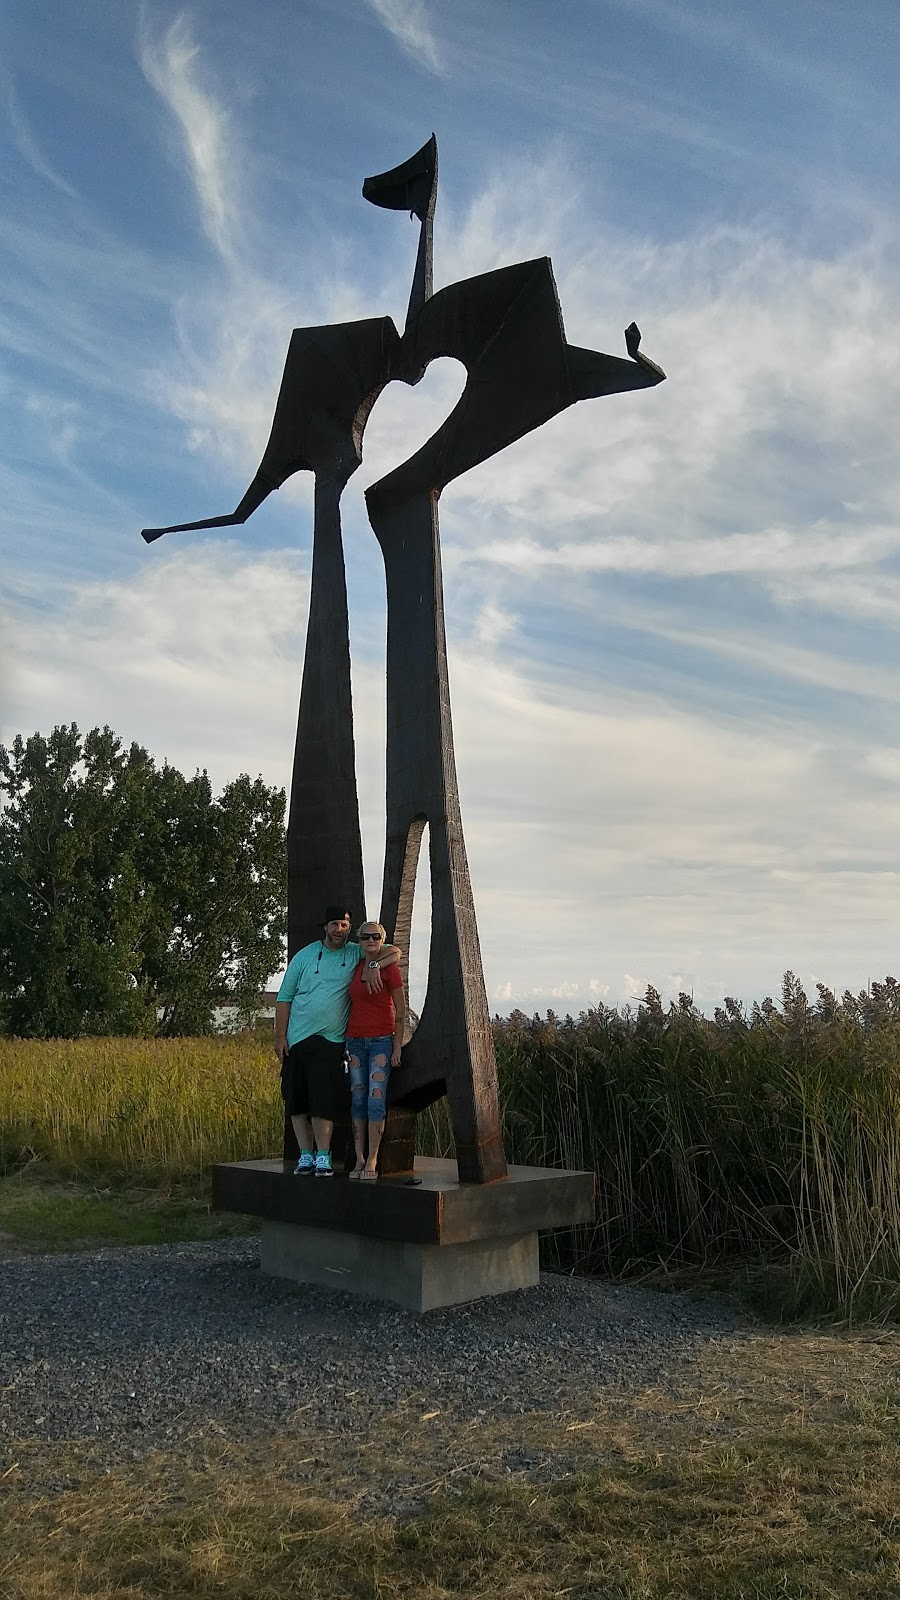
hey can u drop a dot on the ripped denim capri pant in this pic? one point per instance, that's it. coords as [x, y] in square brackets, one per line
[370, 1070]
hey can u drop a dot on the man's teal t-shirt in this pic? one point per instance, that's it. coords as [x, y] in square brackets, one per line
[316, 984]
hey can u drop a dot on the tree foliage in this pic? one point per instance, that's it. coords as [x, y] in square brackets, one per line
[131, 898]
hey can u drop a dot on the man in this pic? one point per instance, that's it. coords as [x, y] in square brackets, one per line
[310, 1024]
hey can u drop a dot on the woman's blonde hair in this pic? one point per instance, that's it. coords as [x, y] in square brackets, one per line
[370, 924]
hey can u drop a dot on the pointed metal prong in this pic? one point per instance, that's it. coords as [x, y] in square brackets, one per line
[254, 497]
[149, 534]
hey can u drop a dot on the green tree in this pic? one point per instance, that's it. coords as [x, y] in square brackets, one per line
[131, 898]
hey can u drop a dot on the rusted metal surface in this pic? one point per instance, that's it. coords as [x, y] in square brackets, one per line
[324, 842]
[506, 328]
[439, 1209]
[397, 1153]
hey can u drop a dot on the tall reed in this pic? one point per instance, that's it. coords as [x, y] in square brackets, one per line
[773, 1134]
[770, 1135]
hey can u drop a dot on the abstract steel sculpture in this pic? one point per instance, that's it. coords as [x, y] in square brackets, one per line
[506, 328]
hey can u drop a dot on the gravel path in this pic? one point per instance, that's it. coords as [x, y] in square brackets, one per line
[134, 1348]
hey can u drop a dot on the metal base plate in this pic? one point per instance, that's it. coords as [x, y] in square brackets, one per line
[435, 1210]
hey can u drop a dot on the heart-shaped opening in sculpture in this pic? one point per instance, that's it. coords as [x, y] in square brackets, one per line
[405, 416]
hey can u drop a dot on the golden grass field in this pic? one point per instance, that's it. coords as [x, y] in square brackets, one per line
[139, 1105]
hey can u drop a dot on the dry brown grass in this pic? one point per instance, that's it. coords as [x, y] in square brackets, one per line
[772, 1474]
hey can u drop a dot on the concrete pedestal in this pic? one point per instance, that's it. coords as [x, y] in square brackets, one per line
[419, 1277]
[421, 1241]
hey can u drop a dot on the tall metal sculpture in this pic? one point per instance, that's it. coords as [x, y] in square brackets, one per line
[506, 328]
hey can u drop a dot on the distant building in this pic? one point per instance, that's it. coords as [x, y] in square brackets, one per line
[225, 1012]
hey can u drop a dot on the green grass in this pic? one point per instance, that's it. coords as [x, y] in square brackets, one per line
[40, 1211]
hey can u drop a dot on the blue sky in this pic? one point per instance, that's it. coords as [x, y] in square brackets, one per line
[672, 616]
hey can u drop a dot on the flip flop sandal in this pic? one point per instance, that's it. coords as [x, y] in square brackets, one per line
[368, 1177]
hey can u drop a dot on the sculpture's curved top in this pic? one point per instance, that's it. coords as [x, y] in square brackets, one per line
[505, 326]
[412, 187]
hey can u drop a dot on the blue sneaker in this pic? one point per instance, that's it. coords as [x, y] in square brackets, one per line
[306, 1164]
[324, 1168]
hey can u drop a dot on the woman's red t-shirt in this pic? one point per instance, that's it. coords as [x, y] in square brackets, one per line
[372, 1016]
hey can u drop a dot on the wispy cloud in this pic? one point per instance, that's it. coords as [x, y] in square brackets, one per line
[770, 552]
[410, 24]
[27, 143]
[768, 652]
[869, 594]
[750, 41]
[172, 64]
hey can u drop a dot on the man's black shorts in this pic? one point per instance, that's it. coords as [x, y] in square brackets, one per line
[313, 1082]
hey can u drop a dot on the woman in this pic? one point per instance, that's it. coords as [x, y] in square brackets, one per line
[374, 1040]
